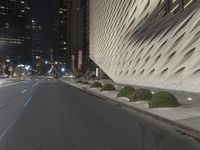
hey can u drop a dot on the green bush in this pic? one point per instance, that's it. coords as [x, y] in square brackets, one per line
[163, 99]
[96, 85]
[108, 87]
[125, 92]
[79, 81]
[145, 94]
[134, 96]
[140, 95]
[86, 82]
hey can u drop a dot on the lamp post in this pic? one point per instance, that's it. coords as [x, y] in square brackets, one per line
[62, 70]
[10, 68]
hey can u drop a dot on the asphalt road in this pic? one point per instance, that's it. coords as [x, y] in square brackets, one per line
[51, 115]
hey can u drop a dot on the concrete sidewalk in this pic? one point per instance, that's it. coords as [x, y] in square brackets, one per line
[4, 82]
[187, 115]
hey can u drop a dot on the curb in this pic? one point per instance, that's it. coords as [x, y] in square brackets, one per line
[178, 126]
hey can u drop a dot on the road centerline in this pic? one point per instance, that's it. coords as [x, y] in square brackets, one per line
[24, 91]
[36, 84]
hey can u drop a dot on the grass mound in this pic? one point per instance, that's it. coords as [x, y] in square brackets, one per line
[96, 85]
[108, 87]
[134, 96]
[86, 82]
[163, 99]
[145, 94]
[140, 95]
[79, 81]
[126, 91]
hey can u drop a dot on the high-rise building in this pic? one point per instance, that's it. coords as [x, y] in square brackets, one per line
[63, 32]
[15, 31]
[152, 43]
[72, 26]
[36, 47]
[88, 63]
[78, 33]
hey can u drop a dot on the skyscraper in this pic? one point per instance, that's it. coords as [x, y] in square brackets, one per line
[63, 32]
[88, 63]
[72, 26]
[36, 46]
[78, 33]
[15, 31]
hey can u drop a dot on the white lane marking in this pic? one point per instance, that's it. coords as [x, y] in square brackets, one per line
[28, 101]
[36, 84]
[11, 84]
[24, 91]
[7, 129]
[12, 122]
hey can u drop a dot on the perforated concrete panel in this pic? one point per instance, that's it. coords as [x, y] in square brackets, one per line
[154, 43]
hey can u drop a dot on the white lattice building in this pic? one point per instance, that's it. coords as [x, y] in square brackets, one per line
[154, 43]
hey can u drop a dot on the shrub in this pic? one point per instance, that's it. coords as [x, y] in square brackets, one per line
[86, 82]
[163, 99]
[145, 94]
[96, 85]
[125, 92]
[79, 81]
[140, 95]
[134, 96]
[108, 87]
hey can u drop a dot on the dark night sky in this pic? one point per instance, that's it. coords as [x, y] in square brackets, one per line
[43, 14]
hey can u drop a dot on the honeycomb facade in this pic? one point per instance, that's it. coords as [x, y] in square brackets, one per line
[153, 43]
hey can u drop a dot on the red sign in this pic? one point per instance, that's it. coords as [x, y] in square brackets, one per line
[73, 62]
[80, 59]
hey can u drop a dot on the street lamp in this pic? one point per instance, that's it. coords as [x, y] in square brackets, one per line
[62, 70]
[27, 67]
[10, 68]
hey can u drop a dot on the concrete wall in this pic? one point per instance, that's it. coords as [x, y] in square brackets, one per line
[153, 43]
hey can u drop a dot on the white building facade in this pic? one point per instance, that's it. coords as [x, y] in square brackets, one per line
[152, 43]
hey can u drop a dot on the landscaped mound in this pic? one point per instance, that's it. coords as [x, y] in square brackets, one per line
[163, 99]
[108, 87]
[96, 85]
[145, 94]
[125, 92]
[134, 96]
[79, 81]
[86, 82]
[140, 95]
